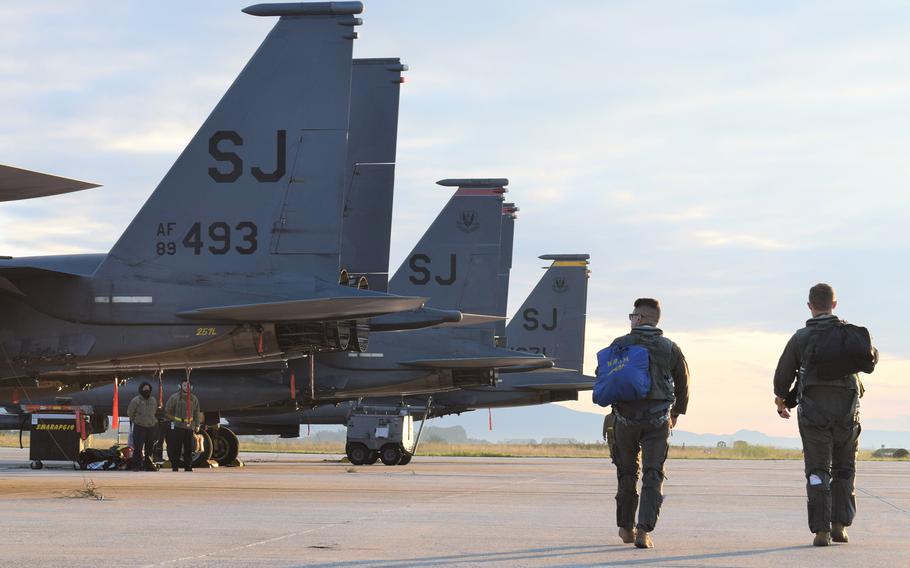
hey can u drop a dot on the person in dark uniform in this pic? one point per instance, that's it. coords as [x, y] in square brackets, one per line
[186, 419]
[828, 417]
[642, 427]
[142, 414]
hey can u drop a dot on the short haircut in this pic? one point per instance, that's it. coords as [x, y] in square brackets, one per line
[648, 307]
[822, 296]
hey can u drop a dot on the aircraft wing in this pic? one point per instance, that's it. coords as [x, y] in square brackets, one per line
[481, 362]
[61, 265]
[319, 309]
[17, 184]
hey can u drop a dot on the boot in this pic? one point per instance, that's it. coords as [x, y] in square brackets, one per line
[627, 535]
[822, 538]
[839, 533]
[643, 539]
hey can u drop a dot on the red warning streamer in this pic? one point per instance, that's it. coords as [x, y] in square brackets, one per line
[293, 386]
[115, 412]
[490, 416]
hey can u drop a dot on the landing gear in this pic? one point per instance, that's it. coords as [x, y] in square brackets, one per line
[225, 446]
[405, 459]
[201, 459]
[37, 464]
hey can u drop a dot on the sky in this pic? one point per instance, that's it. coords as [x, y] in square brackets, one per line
[720, 156]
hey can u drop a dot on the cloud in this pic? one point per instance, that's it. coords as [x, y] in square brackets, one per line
[719, 239]
[166, 137]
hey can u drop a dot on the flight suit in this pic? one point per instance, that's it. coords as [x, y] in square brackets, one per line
[185, 424]
[642, 431]
[829, 426]
[142, 414]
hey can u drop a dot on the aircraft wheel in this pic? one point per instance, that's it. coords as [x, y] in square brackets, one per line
[390, 454]
[225, 446]
[358, 453]
[200, 459]
[36, 464]
[405, 459]
[374, 457]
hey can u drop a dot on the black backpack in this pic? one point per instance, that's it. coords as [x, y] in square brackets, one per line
[840, 350]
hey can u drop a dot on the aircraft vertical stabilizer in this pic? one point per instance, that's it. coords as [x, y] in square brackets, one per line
[367, 224]
[551, 321]
[507, 240]
[457, 258]
[258, 190]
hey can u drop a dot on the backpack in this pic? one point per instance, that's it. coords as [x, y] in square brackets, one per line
[623, 374]
[840, 350]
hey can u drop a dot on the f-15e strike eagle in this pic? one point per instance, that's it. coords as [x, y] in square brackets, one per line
[235, 257]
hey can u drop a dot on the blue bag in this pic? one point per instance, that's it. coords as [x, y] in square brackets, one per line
[623, 374]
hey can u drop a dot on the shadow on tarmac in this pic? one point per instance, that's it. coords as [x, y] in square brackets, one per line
[559, 552]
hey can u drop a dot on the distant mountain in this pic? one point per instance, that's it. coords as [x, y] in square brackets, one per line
[869, 440]
[537, 422]
[554, 421]
[751, 437]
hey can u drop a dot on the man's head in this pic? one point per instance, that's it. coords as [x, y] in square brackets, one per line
[145, 389]
[822, 299]
[646, 312]
[184, 386]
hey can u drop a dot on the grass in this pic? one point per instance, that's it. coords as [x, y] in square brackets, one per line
[305, 446]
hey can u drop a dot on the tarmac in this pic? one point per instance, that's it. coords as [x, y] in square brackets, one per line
[306, 510]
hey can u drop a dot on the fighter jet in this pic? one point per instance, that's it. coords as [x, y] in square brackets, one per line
[465, 236]
[263, 389]
[235, 257]
[552, 320]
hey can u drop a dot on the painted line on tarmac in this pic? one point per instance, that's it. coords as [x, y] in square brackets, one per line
[883, 500]
[460, 493]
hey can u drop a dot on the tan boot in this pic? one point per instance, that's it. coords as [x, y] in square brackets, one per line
[822, 538]
[627, 535]
[839, 533]
[643, 539]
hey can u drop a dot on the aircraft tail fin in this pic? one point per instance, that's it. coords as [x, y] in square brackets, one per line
[259, 188]
[551, 321]
[373, 135]
[507, 240]
[457, 260]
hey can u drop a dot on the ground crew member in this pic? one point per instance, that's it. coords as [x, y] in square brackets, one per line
[141, 413]
[185, 424]
[828, 423]
[642, 427]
